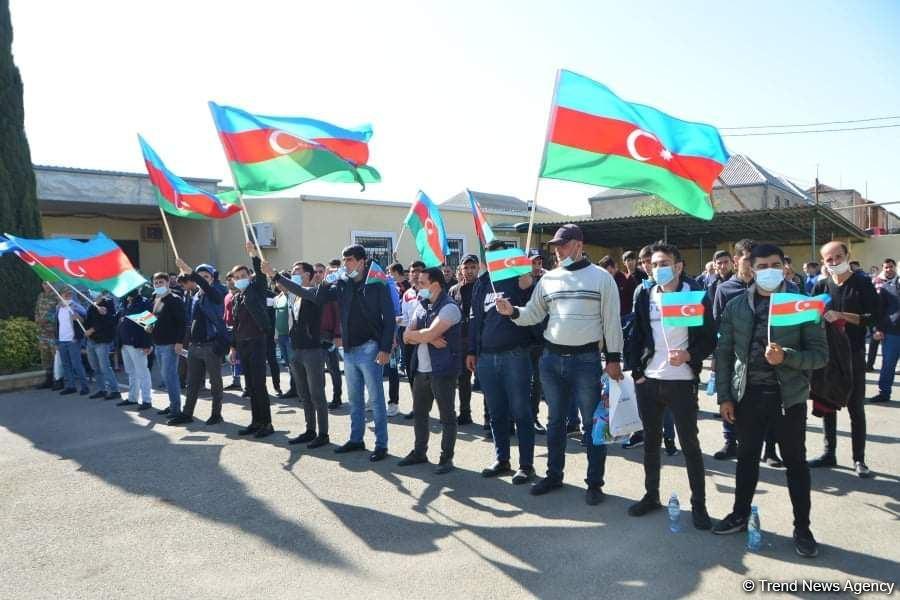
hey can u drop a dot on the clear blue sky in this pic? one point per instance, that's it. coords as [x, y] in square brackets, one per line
[458, 92]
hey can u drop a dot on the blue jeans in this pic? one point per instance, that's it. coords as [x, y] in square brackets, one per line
[890, 351]
[73, 368]
[168, 369]
[506, 382]
[568, 379]
[362, 371]
[284, 346]
[106, 379]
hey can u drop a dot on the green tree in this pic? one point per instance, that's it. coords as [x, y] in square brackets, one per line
[19, 212]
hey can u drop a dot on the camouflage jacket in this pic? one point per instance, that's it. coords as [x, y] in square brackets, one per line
[45, 316]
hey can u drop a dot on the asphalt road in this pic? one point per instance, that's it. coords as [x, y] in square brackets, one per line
[101, 502]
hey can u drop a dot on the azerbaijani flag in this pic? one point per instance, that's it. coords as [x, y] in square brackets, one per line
[595, 137]
[178, 197]
[507, 263]
[98, 264]
[425, 223]
[144, 319]
[794, 309]
[682, 309]
[482, 227]
[376, 274]
[268, 154]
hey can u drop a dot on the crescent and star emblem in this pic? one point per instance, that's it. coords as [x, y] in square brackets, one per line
[293, 142]
[67, 266]
[689, 310]
[802, 305]
[429, 226]
[631, 144]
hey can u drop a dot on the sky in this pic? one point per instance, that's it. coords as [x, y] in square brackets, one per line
[458, 93]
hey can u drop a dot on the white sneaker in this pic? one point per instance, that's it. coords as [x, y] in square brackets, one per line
[393, 409]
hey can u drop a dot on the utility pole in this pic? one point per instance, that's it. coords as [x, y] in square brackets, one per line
[812, 244]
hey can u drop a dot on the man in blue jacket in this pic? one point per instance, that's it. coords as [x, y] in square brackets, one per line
[367, 327]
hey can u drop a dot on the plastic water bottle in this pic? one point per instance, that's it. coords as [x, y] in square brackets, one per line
[711, 386]
[754, 534]
[674, 513]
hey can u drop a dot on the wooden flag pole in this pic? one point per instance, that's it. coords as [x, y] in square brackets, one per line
[169, 231]
[244, 225]
[730, 191]
[399, 238]
[250, 226]
[550, 120]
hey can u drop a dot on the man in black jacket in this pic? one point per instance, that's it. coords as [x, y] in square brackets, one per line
[367, 326]
[100, 331]
[168, 334]
[207, 339]
[666, 364]
[461, 293]
[251, 328]
[307, 359]
[853, 306]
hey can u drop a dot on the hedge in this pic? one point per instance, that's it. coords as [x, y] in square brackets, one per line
[18, 345]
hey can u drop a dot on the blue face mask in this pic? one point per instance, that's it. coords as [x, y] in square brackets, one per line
[159, 291]
[566, 261]
[298, 279]
[663, 275]
[769, 279]
[648, 283]
[242, 284]
[425, 294]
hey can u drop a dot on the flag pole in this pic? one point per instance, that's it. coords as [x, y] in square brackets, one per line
[730, 191]
[399, 238]
[250, 226]
[169, 231]
[769, 323]
[63, 300]
[244, 225]
[550, 119]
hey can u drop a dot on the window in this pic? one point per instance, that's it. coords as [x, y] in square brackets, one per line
[379, 245]
[457, 250]
[777, 201]
[510, 243]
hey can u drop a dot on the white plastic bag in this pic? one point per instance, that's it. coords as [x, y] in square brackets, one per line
[624, 418]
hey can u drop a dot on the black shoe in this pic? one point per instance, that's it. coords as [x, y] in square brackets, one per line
[487, 425]
[772, 460]
[180, 420]
[826, 460]
[97, 394]
[701, 518]
[320, 441]
[303, 438]
[643, 506]
[164, 411]
[413, 458]
[125, 403]
[862, 471]
[523, 475]
[246, 394]
[545, 485]
[635, 441]
[573, 428]
[444, 466]
[464, 419]
[350, 447]
[730, 524]
[805, 544]
[264, 431]
[334, 404]
[67, 391]
[290, 394]
[594, 495]
[278, 393]
[234, 387]
[498, 468]
[538, 428]
[58, 385]
[669, 443]
[877, 398]
[409, 415]
[84, 392]
[378, 454]
[249, 429]
[214, 420]
[728, 451]
[113, 396]
[145, 406]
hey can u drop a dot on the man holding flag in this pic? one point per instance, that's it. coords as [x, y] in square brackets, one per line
[673, 333]
[762, 382]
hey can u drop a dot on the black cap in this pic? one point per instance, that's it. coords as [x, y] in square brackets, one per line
[567, 233]
[469, 258]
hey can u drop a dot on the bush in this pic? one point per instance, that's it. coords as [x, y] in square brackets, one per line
[18, 345]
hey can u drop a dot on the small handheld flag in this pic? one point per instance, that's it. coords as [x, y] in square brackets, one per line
[682, 309]
[144, 319]
[482, 227]
[376, 274]
[794, 309]
[507, 263]
[425, 222]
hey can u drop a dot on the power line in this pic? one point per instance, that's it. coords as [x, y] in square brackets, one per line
[815, 124]
[810, 131]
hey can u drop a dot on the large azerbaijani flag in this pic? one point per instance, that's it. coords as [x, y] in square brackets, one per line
[793, 309]
[178, 197]
[427, 227]
[98, 264]
[595, 137]
[507, 263]
[482, 227]
[682, 309]
[268, 154]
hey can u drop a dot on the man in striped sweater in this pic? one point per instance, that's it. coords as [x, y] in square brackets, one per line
[582, 301]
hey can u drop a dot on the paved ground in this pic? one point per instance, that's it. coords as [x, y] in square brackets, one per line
[100, 502]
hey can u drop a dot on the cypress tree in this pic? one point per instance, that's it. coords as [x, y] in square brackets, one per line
[19, 214]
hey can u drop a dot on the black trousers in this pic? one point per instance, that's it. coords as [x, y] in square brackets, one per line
[856, 408]
[408, 350]
[536, 390]
[873, 353]
[333, 366]
[464, 387]
[759, 410]
[426, 390]
[680, 397]
[203, 361]
[252, 353]
[274, 367]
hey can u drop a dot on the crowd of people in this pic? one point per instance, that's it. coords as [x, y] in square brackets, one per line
[551, 335]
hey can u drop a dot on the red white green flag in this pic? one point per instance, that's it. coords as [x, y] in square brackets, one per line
[507, 263]
[682, 309]
[427, 227]
[793, 309]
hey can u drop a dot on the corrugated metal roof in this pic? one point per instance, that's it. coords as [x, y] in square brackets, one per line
[494, 203]
[110, 173]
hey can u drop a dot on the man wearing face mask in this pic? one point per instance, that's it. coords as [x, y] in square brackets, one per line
[582, 301]
[100, 331]
[252, 327]
[461, 293]
[853, 307]
[168, 334]
[367, 327]
[888, 330]
[762, 380]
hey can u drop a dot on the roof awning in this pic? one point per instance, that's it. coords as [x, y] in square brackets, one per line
[793, 225]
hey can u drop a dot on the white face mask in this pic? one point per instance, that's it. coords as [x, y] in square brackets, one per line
[839, 269]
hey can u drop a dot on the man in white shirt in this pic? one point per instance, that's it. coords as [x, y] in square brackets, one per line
[409, 303]
[71, 335]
